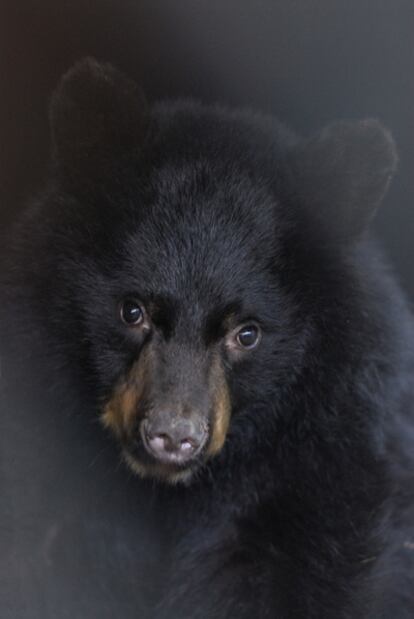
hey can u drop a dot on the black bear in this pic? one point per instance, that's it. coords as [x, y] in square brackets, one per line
[206, 279]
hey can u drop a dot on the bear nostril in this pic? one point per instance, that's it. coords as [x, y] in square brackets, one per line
[187, 444]
[158, 443]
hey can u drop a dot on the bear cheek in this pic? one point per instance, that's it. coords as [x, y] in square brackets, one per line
[118, 414]
[221, 407]
[122, 410]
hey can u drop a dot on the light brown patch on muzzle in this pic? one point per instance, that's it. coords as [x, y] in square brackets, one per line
[221, 408]
[120, 412]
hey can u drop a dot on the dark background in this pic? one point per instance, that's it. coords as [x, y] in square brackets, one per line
[307, 61]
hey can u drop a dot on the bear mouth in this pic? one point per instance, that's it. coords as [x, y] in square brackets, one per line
[145, 466]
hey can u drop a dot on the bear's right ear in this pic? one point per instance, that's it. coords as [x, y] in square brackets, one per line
[343, 173]
[97, 116]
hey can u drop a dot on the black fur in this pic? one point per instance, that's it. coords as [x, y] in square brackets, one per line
[306, 511]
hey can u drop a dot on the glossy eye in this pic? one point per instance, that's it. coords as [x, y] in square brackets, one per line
[131, 311]
[248, 336]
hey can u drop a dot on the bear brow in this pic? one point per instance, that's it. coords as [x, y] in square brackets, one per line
[163, 311]
[220, 320]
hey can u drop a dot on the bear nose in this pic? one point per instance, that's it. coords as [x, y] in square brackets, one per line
[173, 440]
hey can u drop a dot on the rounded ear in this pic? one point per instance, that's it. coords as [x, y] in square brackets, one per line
[343, 173]
[97, 115]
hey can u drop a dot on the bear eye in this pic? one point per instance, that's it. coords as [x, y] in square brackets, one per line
[248, 336]
[132, 314]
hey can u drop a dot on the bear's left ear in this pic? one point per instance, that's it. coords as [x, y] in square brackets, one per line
[97, 115]
[342, 174]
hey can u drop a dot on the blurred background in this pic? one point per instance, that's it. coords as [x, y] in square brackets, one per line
[306, 61]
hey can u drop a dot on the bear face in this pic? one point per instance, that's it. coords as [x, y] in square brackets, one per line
[201, 263]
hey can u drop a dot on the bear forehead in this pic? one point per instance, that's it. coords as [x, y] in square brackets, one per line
[197, 226]
[196, 256]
